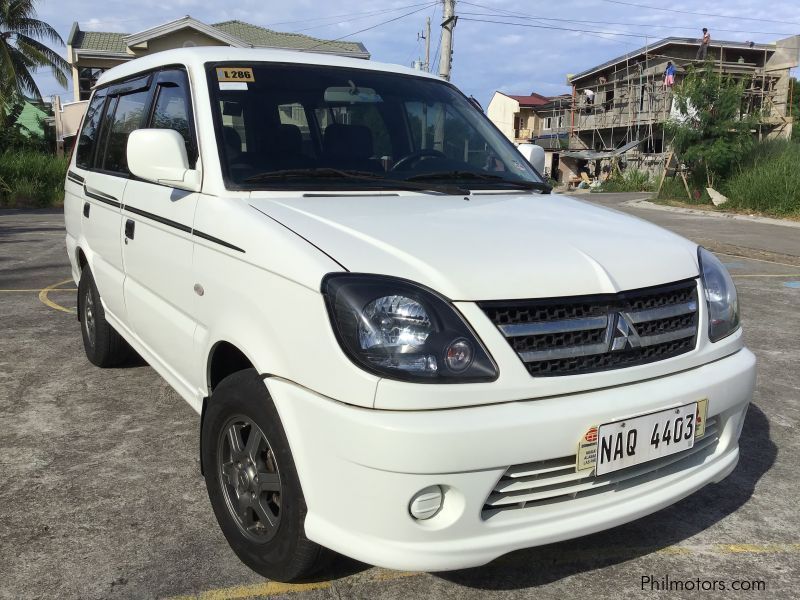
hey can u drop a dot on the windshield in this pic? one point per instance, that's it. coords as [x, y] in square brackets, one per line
[285, 126]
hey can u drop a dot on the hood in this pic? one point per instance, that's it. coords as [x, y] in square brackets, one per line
[489, 246]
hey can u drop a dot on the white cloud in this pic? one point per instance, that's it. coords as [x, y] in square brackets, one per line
[95, 24]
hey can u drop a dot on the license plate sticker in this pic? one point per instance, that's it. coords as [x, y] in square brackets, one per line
[641, 439]
[244, 74]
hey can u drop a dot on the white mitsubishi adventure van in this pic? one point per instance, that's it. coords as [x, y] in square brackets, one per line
[401, 346]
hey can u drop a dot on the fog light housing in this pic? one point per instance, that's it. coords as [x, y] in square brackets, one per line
[458, 355]
[426, 502]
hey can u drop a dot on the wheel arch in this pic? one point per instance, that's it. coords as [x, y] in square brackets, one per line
[80, 258]
[224, 358]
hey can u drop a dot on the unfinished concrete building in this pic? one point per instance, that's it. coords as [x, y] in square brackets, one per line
[620, 106]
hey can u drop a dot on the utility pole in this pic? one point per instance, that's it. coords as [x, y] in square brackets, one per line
[428, 44]
[446, 49]
[426, 35]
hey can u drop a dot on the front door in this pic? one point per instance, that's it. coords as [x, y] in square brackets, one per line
[157, 244]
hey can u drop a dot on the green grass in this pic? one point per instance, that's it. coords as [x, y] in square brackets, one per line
[768, 181]
[31, 179]
[673, 189]
[632, 180]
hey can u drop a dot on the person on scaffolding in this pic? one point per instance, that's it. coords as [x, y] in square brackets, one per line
[669, 75]
[589, 97]
[702, 51]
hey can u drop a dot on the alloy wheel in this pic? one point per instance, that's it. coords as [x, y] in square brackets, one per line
[89, 323]
[250, 479]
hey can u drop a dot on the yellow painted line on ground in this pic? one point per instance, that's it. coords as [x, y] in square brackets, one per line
[273, 588]
[270, 588]
[772, 262]
[47, 302]
[37, 290]
[767, 275]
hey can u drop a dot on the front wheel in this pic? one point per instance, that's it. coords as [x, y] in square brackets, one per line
[252, 481]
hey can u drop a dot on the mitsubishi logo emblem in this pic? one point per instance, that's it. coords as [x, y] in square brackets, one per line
[623, 335]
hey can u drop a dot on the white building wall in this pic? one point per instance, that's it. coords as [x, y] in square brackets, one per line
[501, 112]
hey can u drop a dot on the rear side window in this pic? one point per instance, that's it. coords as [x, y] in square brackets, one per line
[128, 116]
[91, 125]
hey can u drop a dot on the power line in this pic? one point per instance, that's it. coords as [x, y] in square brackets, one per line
[357, 16]
[428, 5]
[530, 17]
[620, 33]
[346, 15]
[699, 14]
[581, 31]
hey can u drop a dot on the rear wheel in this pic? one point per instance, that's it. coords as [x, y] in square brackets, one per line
[104, 347]
[252, 481]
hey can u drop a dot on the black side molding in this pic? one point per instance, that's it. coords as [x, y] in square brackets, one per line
[101, 197]
[180, 227]
[211, 238]
[157, 218]
[74, 177]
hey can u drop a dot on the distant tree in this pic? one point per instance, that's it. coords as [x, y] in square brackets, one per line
[713, 132]
[22, 52]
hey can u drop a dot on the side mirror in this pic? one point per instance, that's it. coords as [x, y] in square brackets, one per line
[533, 154]
[159, 155]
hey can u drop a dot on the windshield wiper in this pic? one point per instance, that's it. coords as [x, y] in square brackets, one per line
[488, 177]
[347, 175]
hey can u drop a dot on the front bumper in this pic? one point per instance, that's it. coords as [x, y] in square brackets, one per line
[359, 468]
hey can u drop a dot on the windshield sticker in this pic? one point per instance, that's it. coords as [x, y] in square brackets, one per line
[232, 85]
[235, 74]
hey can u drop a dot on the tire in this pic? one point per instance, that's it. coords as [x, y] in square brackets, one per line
[252, 481]
[104, 347]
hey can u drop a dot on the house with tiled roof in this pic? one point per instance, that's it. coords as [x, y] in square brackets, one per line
[515, 115]
[92, 52]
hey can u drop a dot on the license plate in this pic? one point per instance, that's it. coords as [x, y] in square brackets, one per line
[637, 440]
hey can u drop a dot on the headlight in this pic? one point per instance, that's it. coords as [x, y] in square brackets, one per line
[402, 330]
[721, 297]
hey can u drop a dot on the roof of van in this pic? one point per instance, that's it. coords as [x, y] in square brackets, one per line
[197, 57]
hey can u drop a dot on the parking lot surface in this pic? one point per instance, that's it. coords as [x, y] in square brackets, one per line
[102, 495]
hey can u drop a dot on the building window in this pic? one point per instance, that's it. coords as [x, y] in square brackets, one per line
[87, 79]
[560, 121]
[548, 123]
[609, 103]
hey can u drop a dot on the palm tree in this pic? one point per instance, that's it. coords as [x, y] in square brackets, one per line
[21, 53]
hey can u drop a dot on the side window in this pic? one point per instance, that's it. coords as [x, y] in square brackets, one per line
[84, 151]
[440, 127]
[127, 117]
[172, 112]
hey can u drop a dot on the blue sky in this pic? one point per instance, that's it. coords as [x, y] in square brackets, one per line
[488, 56]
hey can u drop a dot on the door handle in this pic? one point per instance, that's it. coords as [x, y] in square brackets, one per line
[129, 229]
[86, 207]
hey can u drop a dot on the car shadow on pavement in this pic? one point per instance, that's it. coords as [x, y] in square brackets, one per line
[546, 564]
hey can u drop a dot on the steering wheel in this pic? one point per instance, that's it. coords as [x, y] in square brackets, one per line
[415, 156]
